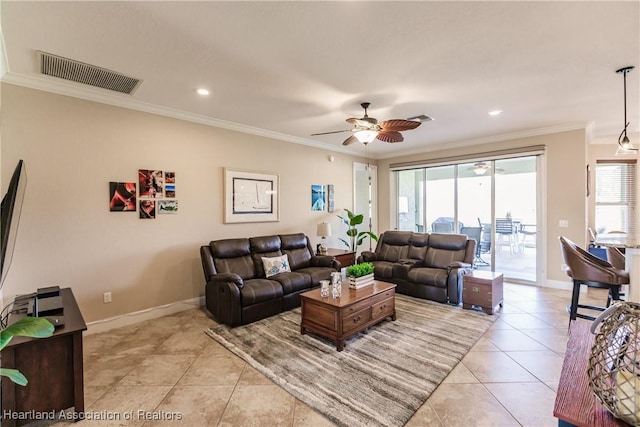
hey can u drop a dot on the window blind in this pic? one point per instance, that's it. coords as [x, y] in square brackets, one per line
[615, 191]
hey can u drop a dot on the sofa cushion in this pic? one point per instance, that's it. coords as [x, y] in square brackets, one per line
[316, 274]
[259, 290]
[383, 269]
[445, 249]
[441, 258]
[293, 281]
[264, 244]
[418, 246]
[394, 245]
[263, 247]
[233, 256]
[428, 276]
[296, 247]
[275, 265]
[392, 253]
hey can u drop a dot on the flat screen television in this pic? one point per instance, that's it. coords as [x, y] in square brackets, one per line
[10, 212]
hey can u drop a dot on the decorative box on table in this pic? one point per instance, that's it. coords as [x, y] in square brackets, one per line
[360, 282]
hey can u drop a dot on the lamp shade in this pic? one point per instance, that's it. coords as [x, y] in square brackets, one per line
[323, 230]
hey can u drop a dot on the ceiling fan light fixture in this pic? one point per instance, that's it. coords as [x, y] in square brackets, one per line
[366, 136]
[480, 171]
[623, 140]
[480, 168]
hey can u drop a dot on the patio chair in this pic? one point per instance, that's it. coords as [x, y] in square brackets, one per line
[506, 234]
[475, 233]
[529, 234]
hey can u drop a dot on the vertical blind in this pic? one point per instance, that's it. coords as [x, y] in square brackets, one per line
[615, 191]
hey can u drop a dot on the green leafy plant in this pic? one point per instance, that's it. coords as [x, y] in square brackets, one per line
[359, 270]
[35, 327]
[355, 237]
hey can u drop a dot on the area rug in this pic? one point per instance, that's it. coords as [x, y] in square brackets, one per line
[380, 378]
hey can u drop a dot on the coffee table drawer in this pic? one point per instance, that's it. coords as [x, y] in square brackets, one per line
[355, 320]
[383, 309]
[354, 308]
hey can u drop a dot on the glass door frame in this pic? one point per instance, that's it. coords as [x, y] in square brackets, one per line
[541, 226]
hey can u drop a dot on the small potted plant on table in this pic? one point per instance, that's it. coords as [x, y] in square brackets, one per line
[360, 275]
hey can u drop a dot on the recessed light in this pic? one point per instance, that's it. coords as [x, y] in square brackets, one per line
[202, 91]
[495, 112]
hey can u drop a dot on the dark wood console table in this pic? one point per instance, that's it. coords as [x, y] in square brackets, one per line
[576, 404]
[53, 367]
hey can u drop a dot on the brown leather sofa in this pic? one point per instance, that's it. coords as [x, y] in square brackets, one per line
[237, 290]
[429, 266]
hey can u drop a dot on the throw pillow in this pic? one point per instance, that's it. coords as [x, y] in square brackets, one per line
[275, 265]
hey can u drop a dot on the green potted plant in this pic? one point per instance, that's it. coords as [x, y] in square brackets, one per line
[360, 275]
[355, 237]
[35, 327]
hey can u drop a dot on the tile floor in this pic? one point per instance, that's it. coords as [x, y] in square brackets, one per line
[169, 365]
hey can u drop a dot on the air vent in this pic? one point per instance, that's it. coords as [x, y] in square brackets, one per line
[421, 118]
[87, 74]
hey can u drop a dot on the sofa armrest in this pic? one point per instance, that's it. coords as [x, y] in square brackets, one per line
[227, 277]
[367, 256]
[223, 298]
[456, 272]
[325, 261]
[458, 264]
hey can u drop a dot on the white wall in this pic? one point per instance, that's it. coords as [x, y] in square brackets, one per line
[73, 148]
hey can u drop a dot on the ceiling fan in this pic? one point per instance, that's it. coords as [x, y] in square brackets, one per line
[480, 168]
[366, 129]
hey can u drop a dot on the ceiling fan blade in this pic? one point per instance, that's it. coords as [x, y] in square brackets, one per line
[350, 140]
[399, 125]
[329, 133]
[390, 136]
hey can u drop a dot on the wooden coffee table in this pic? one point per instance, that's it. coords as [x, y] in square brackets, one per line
[355, 311]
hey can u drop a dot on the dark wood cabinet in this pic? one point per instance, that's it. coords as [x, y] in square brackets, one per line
[53, 366]
[344, 257]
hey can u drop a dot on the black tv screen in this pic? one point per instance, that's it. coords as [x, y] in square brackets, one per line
[10, 212]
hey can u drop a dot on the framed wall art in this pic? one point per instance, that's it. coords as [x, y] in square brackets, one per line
[250, 196]
[318, 197]
[330, 198]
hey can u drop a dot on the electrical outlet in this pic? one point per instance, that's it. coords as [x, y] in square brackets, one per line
[563, 223]
[107, 297]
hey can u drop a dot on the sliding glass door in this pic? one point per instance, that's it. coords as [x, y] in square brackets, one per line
[494, 202]
[516, 223]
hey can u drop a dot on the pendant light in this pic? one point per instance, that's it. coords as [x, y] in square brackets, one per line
[623, 140]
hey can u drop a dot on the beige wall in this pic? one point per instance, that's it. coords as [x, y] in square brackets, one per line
[73, 148]
[564, 175]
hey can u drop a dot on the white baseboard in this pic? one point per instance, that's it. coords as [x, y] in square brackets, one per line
[142, 315]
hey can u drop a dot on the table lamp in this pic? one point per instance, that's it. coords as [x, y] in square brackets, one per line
[323, 230]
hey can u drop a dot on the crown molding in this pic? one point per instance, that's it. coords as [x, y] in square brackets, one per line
[61, 87]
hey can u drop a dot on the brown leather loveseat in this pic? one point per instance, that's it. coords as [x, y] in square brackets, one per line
[429, 266]
[237, 289]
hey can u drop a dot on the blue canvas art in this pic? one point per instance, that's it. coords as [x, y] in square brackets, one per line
[318, 197]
